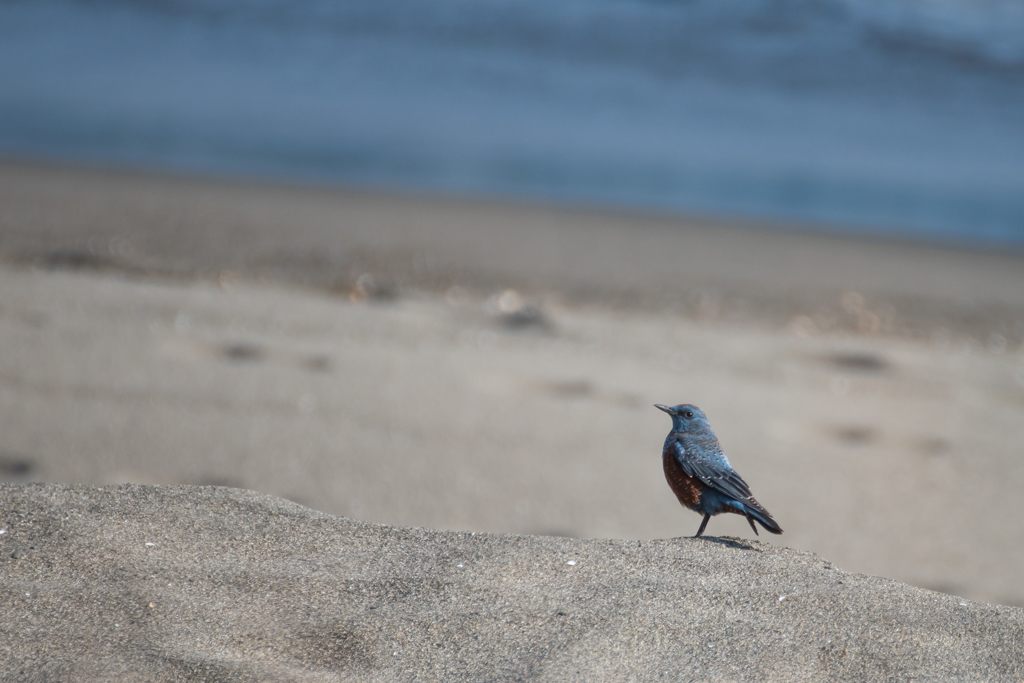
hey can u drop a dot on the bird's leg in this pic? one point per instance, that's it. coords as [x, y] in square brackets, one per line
[751, 520]
[702, 525]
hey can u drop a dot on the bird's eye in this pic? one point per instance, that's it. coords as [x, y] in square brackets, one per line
[687, 413]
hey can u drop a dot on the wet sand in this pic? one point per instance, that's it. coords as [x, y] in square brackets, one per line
[486, 366]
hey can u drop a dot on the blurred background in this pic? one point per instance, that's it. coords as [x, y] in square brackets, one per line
[888, 116]
[431, 262]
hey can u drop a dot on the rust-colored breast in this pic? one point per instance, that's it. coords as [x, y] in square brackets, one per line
[686, 488]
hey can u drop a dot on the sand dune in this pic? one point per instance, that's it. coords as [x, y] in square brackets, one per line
[200, 583]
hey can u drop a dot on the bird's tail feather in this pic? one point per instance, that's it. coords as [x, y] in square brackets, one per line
[763, 518]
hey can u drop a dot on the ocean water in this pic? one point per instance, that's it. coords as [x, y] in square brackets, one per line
[899, 117]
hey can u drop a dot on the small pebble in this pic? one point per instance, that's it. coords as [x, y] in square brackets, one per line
[17, 554]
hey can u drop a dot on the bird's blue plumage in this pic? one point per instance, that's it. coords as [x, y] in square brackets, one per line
[701, 475]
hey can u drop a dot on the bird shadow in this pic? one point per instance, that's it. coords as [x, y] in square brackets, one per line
[732, 542]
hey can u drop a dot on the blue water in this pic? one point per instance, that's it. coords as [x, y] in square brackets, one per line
[895, 117]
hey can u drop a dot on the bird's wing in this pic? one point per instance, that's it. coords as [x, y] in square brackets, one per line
[725, 480]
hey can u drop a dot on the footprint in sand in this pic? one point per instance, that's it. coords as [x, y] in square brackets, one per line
[15, 467]
[242, 352]
[858, 361]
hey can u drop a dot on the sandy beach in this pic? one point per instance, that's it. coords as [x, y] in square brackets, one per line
[479, 365]
[186, 583]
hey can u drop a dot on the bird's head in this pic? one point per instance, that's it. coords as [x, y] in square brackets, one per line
[686, 418]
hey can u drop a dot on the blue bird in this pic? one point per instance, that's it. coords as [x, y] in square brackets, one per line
[700, 475]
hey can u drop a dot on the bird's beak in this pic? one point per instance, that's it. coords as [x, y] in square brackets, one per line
[665, 408]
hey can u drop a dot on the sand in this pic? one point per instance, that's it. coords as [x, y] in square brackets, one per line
[485, 366]
[208, 583]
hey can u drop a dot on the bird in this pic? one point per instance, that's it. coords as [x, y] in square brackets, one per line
[700, 475]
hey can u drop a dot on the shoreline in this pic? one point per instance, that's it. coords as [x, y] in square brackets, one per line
[158, 223]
